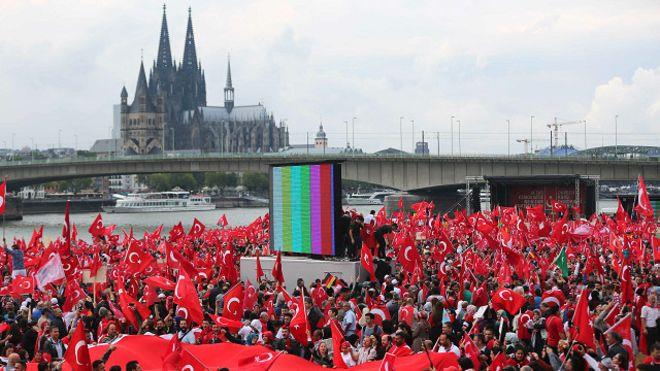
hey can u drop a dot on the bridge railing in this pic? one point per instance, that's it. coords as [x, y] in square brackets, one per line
[284, 156]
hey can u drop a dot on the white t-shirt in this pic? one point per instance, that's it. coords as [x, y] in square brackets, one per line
[453, 348]
[650, 315]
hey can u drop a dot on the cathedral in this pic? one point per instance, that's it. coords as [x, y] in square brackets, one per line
[169, 111]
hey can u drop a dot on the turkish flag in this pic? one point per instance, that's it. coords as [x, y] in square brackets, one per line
[222, 221]
[299, 325]
[73, 294]
[559, 207]
[277, 273]
[3, 196]
[260, 271]
[233, 303]
[137, 258]
[644, 207]
[400, 203]
[367, 260]
[77, 354]
[97, 229]
[173, 354]
[250, 295]
[471, 350]
[380, 312]
[129, 305]
[627, 293]
[406, 314]
[260, 362]
[624, 328]
[197, 229]
[22, 285]
[160, 282]
[226, 322]
[186, 297]
[408, 255]
[337, 339]
[177, 232]
[387, 364]
[582, 321]
[190, 362]
[508, 300]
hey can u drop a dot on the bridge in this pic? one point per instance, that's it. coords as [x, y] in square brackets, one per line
[403, 172]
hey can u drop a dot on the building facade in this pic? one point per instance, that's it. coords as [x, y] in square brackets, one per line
[173, 114]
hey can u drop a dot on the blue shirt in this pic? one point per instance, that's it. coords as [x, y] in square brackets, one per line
[16, 258]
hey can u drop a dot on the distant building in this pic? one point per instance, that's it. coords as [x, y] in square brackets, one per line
[319, 147]
[422, 148]
[169, 111]
[106, 147]
[391, 151]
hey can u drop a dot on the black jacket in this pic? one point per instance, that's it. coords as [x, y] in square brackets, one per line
[49, 347]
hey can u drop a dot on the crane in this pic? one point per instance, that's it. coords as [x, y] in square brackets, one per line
[555, 128]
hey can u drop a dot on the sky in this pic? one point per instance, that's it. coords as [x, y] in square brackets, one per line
[63, 64]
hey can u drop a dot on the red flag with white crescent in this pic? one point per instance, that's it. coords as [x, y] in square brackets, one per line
[367, 260]
[3, 196]
[77, 354]
[233, 303]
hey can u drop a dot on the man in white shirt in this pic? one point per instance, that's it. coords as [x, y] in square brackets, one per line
[444, 345]
[650, 313]
[349, 321]
[185, 334]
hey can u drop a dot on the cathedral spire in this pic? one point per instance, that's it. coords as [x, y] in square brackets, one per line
[229, 89]
[164, 61]
[141, 101]
[228, 83]
[189, 52]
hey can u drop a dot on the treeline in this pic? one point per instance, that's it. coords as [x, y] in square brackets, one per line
[254, 182]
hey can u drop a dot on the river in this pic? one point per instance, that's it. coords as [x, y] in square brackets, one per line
[149, 221]
[140, 222]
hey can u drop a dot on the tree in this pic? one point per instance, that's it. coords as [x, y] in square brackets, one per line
[221, 179]
[255, 181]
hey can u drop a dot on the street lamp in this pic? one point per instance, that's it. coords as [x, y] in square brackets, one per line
[401, 132]
[348, 144]
[531, 131]
[459, 136]
[32, 148]
[59, 138]
[75, 145]
[451, 135]
[413, 135]
[585, 134]
[508, 136]
[354, 118]
[616, 136]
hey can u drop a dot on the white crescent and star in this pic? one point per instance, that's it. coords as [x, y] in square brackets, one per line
[405, 253]
[184, 311]
[176, 288]
[230, 302]
[79, 344]
[260, 359]
[510, 296]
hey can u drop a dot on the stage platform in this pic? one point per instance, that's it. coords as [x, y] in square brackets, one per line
[295, 267]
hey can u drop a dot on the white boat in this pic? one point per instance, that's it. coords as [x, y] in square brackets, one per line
[160, 202]
[375, 198]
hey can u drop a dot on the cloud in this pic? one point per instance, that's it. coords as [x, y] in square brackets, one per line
[637, 104]
[64, 62]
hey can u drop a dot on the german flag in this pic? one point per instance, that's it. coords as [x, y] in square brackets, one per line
[329, 280]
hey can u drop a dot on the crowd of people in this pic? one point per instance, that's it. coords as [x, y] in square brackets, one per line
[509, 289]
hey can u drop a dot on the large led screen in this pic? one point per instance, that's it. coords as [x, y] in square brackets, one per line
[304, 205]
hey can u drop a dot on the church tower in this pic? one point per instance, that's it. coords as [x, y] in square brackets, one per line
[229, 89]
[142, 121]
[321, 141]
[190, 76]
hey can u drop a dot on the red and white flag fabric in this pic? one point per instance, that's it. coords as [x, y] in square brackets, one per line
[197, 229]
[582, 321]
[173, 354]
[624, 328]
[367, 260]
[260, 362]
[77, 354]
[160, 282]
[51, 271]
[250, 295]
[337, 340]
[471, 350]
[627, 293]
[222, 221]
[22, 285]
[644, 207]
[97, 229]
[299, 326]
[277, 272]
[233, 303]
[387, 364]
[260, 271]
[186, 297]
[137, 258]
[508, 300]
[3, 196]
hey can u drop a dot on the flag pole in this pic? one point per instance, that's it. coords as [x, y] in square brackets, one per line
[4, 201]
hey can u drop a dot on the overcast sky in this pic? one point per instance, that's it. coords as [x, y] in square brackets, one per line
[63, 63]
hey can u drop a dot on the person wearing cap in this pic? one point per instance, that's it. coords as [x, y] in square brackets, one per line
[349, 356]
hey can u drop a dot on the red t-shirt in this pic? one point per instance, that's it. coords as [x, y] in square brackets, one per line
[554, 326]
[401, 351]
